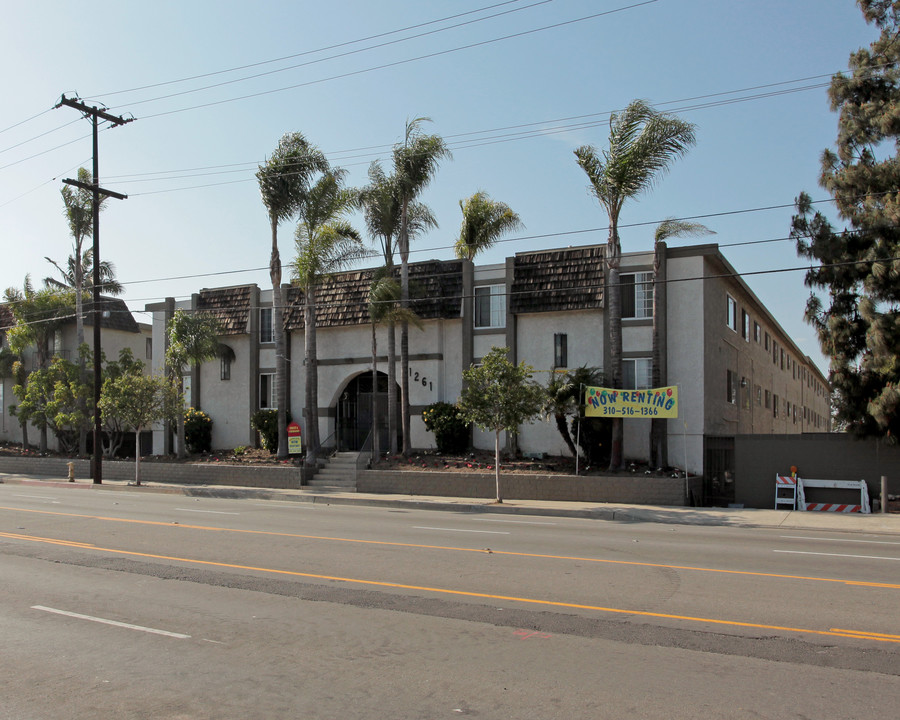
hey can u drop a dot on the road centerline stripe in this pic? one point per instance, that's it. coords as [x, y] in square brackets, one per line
[487, 532]
[840, 555]
[212, 512]
[115, 623]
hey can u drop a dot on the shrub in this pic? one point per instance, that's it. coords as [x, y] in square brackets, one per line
[197, 431]
[265, 422]
[451, 432]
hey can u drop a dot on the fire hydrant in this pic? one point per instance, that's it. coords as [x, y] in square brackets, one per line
[71, 472]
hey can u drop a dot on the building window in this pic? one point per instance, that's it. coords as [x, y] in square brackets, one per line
[767, 341]
[774, 406]
[148, 348]
[225, 368]
[745, 393]
[560, 350]
[782, 359]
[745, 325]
[731, 313]
[267, 392]
[759, 395]
[490, 306]
[637, 295]
[731, 387]
[774, 352]
[768, 400]
[757, 332]
[637, 373]
[266, 326]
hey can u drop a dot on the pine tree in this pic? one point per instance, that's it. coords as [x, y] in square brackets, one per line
[858, 325]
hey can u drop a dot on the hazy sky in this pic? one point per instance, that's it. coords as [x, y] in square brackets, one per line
[513, 87]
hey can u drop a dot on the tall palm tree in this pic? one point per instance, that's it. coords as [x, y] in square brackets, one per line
[668, 228]
[643, 144]
[325, 243]
[415, 163]
[484, 222]
[382, 210]
[384, 307]
[284, 180]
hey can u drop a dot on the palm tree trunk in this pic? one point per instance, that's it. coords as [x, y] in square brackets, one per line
[658, 426]
[563, 428]
[179, 418]
[404, 329]
[280, 364]
[137, 456]
[312, 378]
[392, 386]
[79, 336]
[376, 451]
[614, 305]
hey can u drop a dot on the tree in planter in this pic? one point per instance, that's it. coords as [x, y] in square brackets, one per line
[564, 402]
[193, 339]
[451, 432]
[138, 401]
[265, 422]
[643, 144]
[197, 431]
[498, 395]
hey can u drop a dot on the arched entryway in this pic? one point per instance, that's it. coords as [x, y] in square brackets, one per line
[353, 416]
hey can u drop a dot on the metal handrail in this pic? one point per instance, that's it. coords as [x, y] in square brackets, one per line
[364, 458]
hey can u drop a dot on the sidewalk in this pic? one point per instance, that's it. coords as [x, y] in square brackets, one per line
[731, 517]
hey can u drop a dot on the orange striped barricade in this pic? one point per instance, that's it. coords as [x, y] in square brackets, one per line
[785, 491]
[860, 485]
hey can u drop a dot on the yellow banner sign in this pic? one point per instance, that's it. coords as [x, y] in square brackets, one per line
[652, 403]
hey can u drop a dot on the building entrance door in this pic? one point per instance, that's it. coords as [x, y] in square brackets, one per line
[355, 417]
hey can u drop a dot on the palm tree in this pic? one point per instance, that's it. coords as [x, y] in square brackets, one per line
[415, 163]
[382, 210]
[643, 144]
[484, 222]
[325, 244]
[192, 340]
[565, 399]
[659, 451]
[284, 181]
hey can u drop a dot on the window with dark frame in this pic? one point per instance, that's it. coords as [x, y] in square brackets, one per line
[266, 326]
[490, 306]
[560, 350]
[637, 295]
[225, 367]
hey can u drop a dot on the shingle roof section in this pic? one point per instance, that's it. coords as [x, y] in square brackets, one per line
[115, 315]
[230, 306]
[556, 280]
[435, 292]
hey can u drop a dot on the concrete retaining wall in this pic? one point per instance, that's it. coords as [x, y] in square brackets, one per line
[186, 473]
[632, 489]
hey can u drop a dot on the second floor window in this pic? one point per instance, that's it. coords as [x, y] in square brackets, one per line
[266, 326]
[637, 295]
[267, 392]
[560, 350]
[490, 306]
[637, 374]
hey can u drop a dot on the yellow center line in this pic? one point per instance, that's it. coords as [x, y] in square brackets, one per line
[466, 593]
[508, 553]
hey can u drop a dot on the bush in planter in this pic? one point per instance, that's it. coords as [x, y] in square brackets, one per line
[451, 432]
[197, 431]
[265, 422]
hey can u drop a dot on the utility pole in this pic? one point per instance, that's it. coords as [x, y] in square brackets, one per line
[95, 113]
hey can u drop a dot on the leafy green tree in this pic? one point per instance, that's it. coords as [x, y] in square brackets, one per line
[668, 228]
[38, 314]
[416, 161]
[284, 182]
[192, 339]
[643, 144]
[499, 395]
[137, 401]
[114, 430]
[69, 408]
[451, 432]
[858, 325]
[484, 222]
[325, 244]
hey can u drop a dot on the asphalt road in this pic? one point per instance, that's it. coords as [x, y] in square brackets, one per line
[125, 605]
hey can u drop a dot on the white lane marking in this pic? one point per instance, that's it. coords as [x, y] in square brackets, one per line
[37, 497]
[871, 542]
[213, 512]
[517, 522]
[116, 623]
[287, 504]
[488, 532]
[864, 557]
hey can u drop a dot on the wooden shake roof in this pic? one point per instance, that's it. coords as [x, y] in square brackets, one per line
[115, 315]
[435, 292]
[556, 280]
[230, 306]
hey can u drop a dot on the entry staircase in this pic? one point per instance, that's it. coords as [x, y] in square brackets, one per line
[338, 474]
